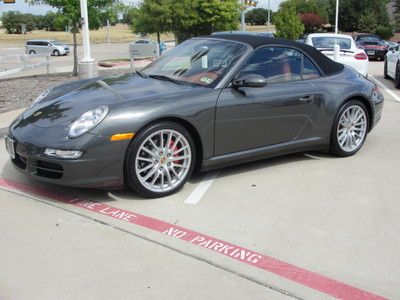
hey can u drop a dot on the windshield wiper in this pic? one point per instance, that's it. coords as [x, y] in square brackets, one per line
[163, 77]
[141, 74]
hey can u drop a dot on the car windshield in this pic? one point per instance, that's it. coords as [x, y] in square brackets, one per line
[197, 61]
[329, 42]
[57, 43]
[367, 38]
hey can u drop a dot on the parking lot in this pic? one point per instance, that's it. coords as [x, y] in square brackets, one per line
[302, 226]
[65, 63]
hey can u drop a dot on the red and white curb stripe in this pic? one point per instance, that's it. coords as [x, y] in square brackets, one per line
[301, 276]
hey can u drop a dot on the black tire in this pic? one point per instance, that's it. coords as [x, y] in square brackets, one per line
[131, 179]
[385, 74]
[56, 53]
[335, 148]
[32, 52]
[397, 77]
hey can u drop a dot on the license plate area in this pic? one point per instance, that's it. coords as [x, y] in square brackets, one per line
[371, 52]
[10, 146]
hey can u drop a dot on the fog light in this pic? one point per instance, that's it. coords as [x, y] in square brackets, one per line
[65, 154]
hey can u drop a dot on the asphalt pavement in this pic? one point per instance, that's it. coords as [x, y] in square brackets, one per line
[303, 226]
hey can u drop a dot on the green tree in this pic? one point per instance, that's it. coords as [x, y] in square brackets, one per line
[129, 15]
[352, 11]
[186, 18]
[319, 7]
[257, 16]
[288, 24]
[153, 16]
[48, 22]
[12, 21]
[385, 32]
[69, 15]
[367, 22]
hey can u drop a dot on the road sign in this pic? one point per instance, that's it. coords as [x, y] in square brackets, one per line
[9, 1]
[144, 50]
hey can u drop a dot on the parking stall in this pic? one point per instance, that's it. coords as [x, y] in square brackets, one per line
[303, 226]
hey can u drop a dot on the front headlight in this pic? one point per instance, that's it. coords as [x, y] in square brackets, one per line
[87, 121]
[41, 96]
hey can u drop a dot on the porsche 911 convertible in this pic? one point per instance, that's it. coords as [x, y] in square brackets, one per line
[209, 103]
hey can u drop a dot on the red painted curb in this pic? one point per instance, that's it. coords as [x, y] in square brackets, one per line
[301, 276]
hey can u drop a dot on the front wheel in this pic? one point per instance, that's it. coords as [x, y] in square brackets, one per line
[385, 73]
[350, 129]
[160, 160]
[56, 53]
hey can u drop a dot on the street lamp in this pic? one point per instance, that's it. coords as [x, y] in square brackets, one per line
[337, 16]
[87, 67]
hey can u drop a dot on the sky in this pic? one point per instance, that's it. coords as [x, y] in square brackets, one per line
[21, 6]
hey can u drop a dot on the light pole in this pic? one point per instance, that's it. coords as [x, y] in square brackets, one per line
[87, 67]
[242, 16]
[337, 16]
[269, 14]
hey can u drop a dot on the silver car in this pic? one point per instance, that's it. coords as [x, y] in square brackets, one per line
[53, 47]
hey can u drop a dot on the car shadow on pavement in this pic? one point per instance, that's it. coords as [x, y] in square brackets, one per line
[107, 195]
[242, 169]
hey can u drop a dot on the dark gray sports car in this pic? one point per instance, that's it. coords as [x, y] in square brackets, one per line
[209, 103]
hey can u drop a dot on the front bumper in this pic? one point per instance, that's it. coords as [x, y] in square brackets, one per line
[101, 165]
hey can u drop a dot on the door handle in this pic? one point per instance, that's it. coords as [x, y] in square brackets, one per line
[307, 99]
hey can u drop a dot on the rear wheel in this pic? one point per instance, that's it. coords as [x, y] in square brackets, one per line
[32, 52]
[350, 128]
[385, 73]
[397, 77]
[160, 160]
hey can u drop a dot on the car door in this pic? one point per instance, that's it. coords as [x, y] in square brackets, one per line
[391, 59]
[248, 118]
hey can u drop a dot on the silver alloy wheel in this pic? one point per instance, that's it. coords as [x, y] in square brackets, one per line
[352, 128]
[163, 160]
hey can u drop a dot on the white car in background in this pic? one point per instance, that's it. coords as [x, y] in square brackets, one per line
[349, 54]
[392, 65]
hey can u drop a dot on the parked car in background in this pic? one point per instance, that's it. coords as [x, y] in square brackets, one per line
[391, 44]
[391, 68]
[260, 33]
[375, 49]
[53, 47]
[264, 33]
[302, 38]
[163, 46]
[349, 53]
[366, 37]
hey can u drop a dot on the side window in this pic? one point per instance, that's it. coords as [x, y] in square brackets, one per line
[309, 70]
[276, 64]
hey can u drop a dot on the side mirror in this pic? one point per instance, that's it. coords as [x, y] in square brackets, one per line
[250, 80]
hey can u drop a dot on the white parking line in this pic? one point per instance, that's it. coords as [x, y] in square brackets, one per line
[202, 188]
[387, 90]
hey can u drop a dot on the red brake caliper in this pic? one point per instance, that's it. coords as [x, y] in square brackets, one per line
[176, 148]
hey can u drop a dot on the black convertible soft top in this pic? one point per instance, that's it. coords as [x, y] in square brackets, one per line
[327, 65]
